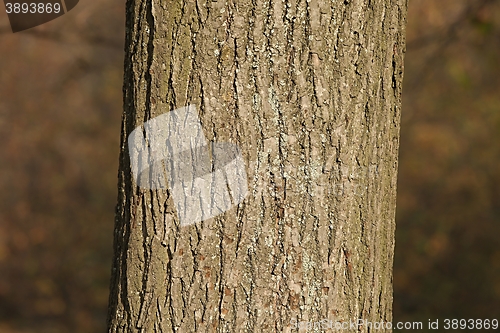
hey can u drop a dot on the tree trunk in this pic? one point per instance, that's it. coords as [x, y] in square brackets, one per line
[310, 92]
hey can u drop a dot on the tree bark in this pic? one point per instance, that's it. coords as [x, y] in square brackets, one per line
[310, 91]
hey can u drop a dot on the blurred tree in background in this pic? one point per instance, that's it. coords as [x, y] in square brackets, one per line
[60, 108]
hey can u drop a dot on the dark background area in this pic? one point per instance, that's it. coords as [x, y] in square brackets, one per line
[60, 111]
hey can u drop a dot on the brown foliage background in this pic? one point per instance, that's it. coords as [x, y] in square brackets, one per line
[60, 109]
[447, 241]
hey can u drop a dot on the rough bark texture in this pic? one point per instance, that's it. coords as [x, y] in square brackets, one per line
[310, 90]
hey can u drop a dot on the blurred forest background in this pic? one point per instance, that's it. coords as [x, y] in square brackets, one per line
[60, 113]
